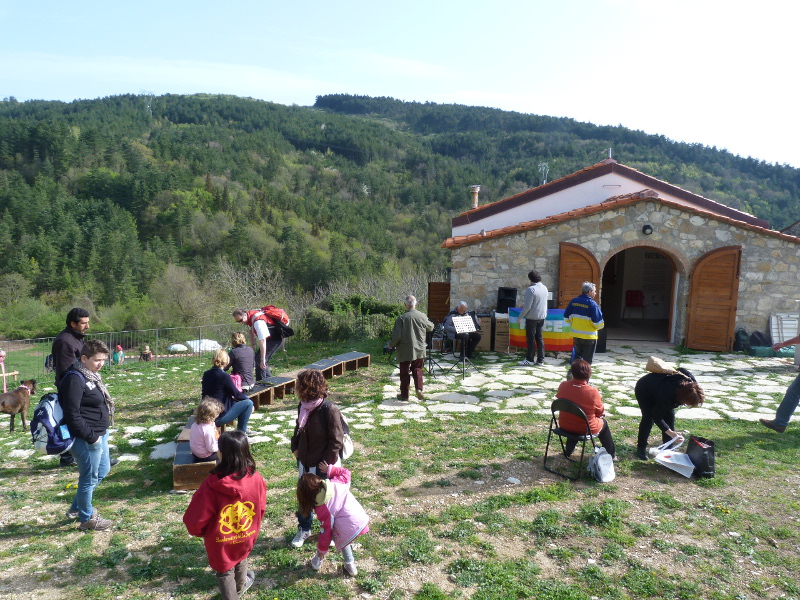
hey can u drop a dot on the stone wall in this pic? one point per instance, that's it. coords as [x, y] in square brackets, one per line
[770, 269]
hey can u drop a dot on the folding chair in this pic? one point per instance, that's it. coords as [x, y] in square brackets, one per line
[561, 405]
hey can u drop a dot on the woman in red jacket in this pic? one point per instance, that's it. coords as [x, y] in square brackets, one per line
[227, 511]
[588, 398]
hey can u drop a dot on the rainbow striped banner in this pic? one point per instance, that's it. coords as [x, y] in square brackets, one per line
[556, 332]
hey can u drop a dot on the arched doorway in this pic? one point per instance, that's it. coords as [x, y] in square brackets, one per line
[638, 295]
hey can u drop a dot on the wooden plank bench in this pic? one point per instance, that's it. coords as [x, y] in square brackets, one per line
[187, 474]
[265, 391]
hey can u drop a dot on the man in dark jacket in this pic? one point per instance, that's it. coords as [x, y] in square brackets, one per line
[67, 344]
[66, 350]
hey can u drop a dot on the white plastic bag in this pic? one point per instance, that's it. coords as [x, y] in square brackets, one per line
[679, 462]
[601, 466]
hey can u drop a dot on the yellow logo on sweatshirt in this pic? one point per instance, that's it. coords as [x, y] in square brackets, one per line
[236, 518]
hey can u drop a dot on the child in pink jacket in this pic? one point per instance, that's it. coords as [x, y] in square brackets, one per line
[341, 516]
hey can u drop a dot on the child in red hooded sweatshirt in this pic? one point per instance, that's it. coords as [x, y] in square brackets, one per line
[227, 511]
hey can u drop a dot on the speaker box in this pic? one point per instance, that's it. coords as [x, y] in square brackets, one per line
[506, 298]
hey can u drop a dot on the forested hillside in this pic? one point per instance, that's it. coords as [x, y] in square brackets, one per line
[99, 197]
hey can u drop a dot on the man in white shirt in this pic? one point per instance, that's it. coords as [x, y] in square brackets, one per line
[534, 311]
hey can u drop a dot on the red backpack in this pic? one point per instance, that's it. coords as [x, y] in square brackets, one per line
[275, 314]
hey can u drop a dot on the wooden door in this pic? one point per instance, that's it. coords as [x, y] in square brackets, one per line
[713, 294]
[438, 300]
[575, 265]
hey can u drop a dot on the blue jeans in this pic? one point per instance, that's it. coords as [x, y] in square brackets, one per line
[241, 409]
[790, 401]
[94, 463]
[584, 348]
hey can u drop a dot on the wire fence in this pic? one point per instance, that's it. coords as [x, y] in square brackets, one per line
[26, 359]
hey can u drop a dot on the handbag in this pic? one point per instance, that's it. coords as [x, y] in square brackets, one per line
[701, 453]
[601, 466]
[668, 456]
[237, 381]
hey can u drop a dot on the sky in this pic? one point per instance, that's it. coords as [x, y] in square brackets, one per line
[719, 73]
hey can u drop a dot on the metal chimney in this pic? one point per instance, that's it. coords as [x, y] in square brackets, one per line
[473, 190]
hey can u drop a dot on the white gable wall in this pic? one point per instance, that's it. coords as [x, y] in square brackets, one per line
[578, 196]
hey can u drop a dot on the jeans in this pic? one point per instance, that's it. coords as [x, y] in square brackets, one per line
[241, 409]
[94, 463]
[789, 404]
[409, 369]
[584, 348]
[533, 334]
[274, 342]
[231, 582]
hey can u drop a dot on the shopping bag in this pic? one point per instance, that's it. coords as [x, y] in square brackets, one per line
[601, 466]
[701, 453]
[672, 459]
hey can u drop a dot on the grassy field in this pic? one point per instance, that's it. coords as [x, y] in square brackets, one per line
[448, 519]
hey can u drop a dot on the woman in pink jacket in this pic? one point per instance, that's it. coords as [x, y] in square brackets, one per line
[341, 516]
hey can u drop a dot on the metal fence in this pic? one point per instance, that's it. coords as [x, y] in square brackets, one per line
[27, 357]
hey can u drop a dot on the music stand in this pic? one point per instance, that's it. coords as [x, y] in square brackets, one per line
[429, 360]
[464, 324]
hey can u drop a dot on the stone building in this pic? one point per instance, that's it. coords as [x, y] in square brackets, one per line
[672, 264]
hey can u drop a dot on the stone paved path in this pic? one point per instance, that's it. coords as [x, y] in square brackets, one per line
[736, 387]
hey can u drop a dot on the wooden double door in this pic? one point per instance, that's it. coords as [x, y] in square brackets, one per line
[713, 292]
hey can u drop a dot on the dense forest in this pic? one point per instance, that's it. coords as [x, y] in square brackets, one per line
[107, 202]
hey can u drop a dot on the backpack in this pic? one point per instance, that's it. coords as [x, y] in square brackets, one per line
[742, 343]
[50, 435]
[279, 319]
[275, 314]
[347, 442]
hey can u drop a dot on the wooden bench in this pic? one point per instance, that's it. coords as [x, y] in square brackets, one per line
[187, 474]
[264, 392]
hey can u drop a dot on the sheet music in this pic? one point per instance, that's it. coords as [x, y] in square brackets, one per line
[464, 324]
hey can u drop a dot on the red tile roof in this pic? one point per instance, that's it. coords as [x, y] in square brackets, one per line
[602, 168]
[645, 195]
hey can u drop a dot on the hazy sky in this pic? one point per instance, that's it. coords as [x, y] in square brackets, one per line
[721, 73]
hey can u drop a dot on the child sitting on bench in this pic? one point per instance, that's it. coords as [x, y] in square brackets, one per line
[203, 435]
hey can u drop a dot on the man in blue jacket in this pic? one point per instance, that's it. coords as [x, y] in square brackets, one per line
[586, 319]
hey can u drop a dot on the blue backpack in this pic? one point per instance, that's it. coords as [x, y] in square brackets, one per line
[50, 434]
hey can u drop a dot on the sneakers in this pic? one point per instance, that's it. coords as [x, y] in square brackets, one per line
[96, 523]
[526, 363]
[316, 561]
[350, 568]
[539, 363]
[770, 424]
[300, 537]
[249, 580]
[73, 514]
[399, 397]
[420, 395]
